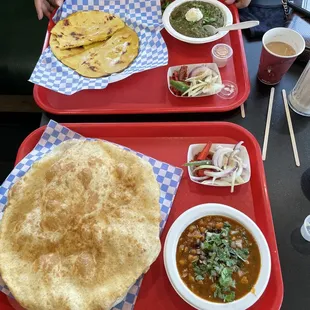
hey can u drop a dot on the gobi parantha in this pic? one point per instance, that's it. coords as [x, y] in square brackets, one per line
[113, 56]
[70, 57]
[94, 43]
[86, 27]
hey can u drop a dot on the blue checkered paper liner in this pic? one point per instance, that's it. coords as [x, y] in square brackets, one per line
[168, 177]
[144, 16]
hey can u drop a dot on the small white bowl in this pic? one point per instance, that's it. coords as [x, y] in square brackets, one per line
[194, 149]
[228, 20]
[170, 248]
[190, 67]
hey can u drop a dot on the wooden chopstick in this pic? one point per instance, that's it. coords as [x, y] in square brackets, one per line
[242, 110]
[290, 127]
[267, 128]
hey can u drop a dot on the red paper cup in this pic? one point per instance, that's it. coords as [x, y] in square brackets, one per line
[272, 67]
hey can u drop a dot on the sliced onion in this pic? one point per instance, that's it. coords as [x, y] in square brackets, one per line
[227, 165]
[239, 170]
[225, 162]
[244, 165]
[220, 174]
[233, 155]
[199, 179]
[238, 145]
[217, 183]
[207, 167]
[240, 166]
[217, 158]
[238, 180]
[233, 182]
[199, 71]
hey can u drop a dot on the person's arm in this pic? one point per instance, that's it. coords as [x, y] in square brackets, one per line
[240, 4]
[46, 7]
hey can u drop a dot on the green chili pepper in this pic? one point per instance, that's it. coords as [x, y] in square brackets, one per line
[180, 86]
[198, 163]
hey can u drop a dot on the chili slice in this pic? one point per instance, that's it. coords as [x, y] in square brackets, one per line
[203, 156]
[183, 73]
[205, 152]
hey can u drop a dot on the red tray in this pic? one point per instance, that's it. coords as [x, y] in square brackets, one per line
[147, 92]
[169, 142]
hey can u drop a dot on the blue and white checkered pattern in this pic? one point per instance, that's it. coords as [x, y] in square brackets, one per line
[143, 16]
[168, 177]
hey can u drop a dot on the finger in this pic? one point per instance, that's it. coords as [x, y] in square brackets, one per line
[47, 8]
[55, 3]
[59, 2]
[242, 4]
[230, 1]
[37, 4]
[51, 3]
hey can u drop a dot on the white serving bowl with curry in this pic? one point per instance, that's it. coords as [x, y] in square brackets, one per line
[217, 258]
[185, 20]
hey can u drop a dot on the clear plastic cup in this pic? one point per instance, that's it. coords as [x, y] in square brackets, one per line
[221, 53]
[305, 229]
[299, 96]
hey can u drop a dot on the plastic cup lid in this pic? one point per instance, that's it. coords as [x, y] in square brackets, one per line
[222, 51]
[229, 91]
[305, 229]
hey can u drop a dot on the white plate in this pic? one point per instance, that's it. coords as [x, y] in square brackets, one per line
[244, 155]
[190, 67]
[170, 248]
[228, 20]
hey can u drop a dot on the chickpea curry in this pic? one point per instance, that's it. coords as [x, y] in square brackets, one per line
[218, 259]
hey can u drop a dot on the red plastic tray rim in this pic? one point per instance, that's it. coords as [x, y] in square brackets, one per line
[242, 65]
[175, 130]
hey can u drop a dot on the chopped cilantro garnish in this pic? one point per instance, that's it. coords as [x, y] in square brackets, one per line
[221, 262]
[199, 277]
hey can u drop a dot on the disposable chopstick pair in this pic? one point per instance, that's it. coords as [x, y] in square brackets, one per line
[290, 127]
[289, 122]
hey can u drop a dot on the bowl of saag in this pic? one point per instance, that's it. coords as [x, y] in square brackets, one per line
[186, 20]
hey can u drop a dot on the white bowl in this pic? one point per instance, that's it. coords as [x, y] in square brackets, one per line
[190, 67]
[170, 248]
[228, 20]
[244, 155]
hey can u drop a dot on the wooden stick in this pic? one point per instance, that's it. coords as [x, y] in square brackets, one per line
[290, 127]
[242, 110]
[267, 128]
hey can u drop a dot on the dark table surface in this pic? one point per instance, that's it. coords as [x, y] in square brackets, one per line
[288, 201]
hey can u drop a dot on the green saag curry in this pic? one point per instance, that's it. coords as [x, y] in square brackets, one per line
[212, 15]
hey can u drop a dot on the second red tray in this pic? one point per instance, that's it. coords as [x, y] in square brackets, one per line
[147, 92]
[169, 142]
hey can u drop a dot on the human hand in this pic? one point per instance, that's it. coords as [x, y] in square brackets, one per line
[46, 7]
[240, 4]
